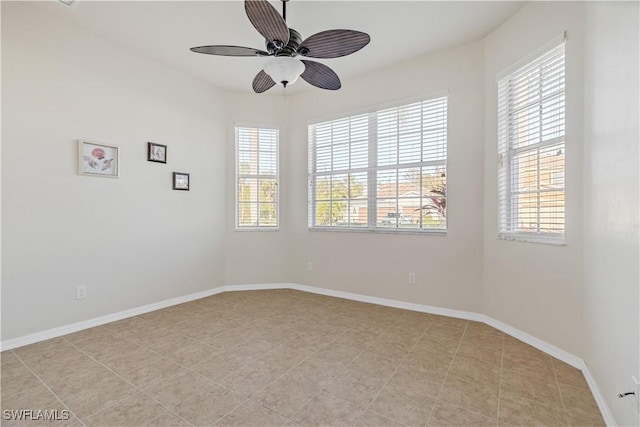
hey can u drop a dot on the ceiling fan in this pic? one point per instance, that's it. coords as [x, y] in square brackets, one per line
[284, 44]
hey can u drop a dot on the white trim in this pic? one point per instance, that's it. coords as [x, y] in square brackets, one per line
[85, 324]
[259, 287]
[541, 345]
[609, 419]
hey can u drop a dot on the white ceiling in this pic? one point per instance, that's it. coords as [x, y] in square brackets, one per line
[165, 30]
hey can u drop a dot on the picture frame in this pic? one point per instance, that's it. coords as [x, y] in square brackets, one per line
[156, 152]
[95, 159]
[181, 181]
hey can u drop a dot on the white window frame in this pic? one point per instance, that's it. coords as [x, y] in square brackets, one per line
[258, 176]
[508, 211]
[373, 168]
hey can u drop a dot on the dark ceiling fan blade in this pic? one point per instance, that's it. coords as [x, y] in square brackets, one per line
[262, 82]
[266, 19]
[320, 75]
[229, 51]
[333, 43]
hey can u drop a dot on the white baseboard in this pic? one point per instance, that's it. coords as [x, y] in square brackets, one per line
[609, 419]
[86, 324]
[460, 314]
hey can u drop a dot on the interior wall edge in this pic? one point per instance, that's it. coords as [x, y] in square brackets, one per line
[533, 341]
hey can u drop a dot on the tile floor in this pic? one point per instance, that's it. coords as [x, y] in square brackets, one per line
[283, 357]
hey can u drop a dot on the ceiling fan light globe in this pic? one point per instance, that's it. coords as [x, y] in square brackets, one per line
[283, 69]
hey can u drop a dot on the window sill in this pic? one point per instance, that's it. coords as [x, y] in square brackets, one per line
[257, 229]
[532, 238]
[380, 230]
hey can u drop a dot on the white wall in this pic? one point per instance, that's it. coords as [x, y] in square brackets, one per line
[448, 268]
[257, 256]
[534, 287]
[611, 211]
[131, 241]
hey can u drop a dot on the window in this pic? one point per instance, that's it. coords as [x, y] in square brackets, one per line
[531, 149]
[384, 170]
[256, 178]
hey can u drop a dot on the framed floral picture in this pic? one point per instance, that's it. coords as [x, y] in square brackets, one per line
[156, 153]
[98, 159]
[180, 181]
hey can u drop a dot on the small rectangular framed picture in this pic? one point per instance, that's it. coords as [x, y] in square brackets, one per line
[180, 181]
[156, 153]
[98, 159]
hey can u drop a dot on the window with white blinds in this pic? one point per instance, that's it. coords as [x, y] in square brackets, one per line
[256, 178]
[531, 149]
[383, 170]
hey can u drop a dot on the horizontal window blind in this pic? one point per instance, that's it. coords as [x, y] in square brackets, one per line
[381, 170]
[256, 178]
[531, 149]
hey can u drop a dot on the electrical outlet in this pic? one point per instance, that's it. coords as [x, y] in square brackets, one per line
[309, 266]
[81, 292]
[412, 278]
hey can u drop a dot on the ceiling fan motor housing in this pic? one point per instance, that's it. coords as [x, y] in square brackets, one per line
[291, 49]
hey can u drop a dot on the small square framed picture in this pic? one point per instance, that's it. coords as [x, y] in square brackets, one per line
[98, 159]
[180, 181]
[156, 153]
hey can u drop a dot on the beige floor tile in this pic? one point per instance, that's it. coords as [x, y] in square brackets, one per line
[313, 359]
[519, 363]
[445, 415]
[252, 378]
[344, 353]
[355, 387]
[16, 379]
[569, 375]
[192, 354]
[167, 419]
[479, 371]
[328, 410]
[444, 331]
[475, 328]
[286, 358]
[427, 385]
[372, 419]
[374, 365]
[36, 397]
[581, 407]
[319, 370]
[532, 387]
[43, 349]
[515, 346]
[517, 410]
[81, 380]
[138, 409]
[7, 357]
[390, 349]
[205, 408]
[179, 387]
[436, 345]
[465, 392]
[101, 395]
[288, 394]
[52, 370]
[129, 359]
[153, 373]
[401, 405]
[251, 413]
